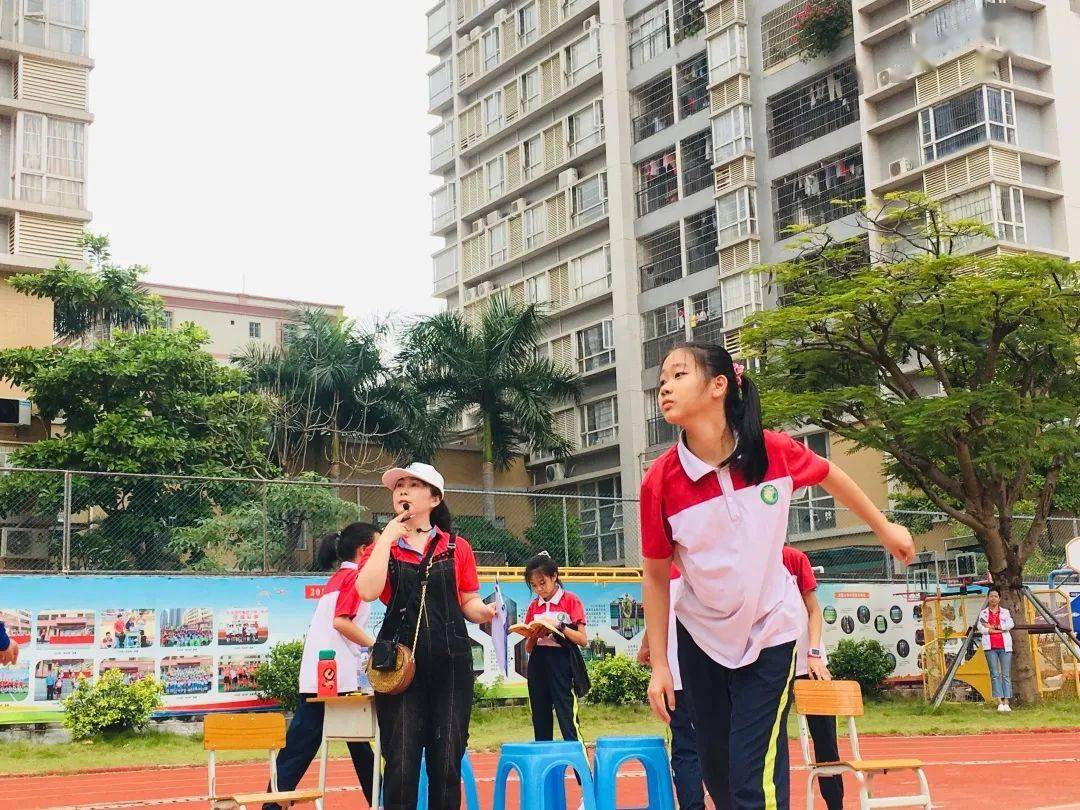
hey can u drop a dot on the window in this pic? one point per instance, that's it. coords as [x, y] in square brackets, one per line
[602, 521]
[657, 427]
[735, 215]
[693, 86]
[657, 182]
[1010, 214]
[496, 176]
[493, 112]
[983, 114]
[532, 157]
[648, 34]
[654, 107]
[538, 289]
[491, 48]
[732, 133]
[811, 109]
[53, 167]
[438, 23]
[443, 207]
[741, 296]
[812, 508]
[600, 422]
[168, 322]
[530, 90]
[807, 197]
[442, 143]
[59, 25]
[587, 128]
[661, 261]
[582, 56]
[1001, 208]
[445, 269]
[533, 224]
[497, 235]
[701, 241]
[688, 17]
[727, 54]
[662, 329]
[526, 24]
[590, 200]
[590, 274]
[697, 171]
[778, 40]
[707, 317]
[595, 347]
[254, 329]
[439, 82]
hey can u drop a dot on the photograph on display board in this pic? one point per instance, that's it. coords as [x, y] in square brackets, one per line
[627, 616]
[236, 626]
[133, 669]
[236, 673]
[55, 678]
[17, 624]
[66, 628]
[123, 629]
[187, 627]
[597, 648]
[187, 674]
[14, 683]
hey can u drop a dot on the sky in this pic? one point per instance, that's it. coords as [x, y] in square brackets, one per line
[243, 145]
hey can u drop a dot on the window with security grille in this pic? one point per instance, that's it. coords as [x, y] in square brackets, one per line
[808, 196]
[658, 430]
[812, 508]
[697, 172]
[778, 27]
[701, 241]
[707, 317]
[602, 521]
[657, 182]
[811, 109]
[693, 85]
[654, 107]
[985, 114]
[660, 256]
[662, 330]
[687, 18]
[648, 34]
[600, 422]
[732, 133]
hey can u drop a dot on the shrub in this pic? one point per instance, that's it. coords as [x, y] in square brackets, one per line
[618, 681]
[111, 704]
[279, 677]
[864, 661]
[820, 26]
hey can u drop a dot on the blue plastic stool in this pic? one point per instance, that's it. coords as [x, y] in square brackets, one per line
[611, 752]
[541, 767]
[468, 780]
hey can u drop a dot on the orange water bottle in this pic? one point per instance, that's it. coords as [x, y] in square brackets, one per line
[327, 673]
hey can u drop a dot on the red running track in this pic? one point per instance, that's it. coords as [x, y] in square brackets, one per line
[1028, 770]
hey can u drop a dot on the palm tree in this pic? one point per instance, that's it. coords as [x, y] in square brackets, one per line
[492, 368]
[328, 381]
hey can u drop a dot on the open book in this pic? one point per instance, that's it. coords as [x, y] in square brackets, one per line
[533, 628]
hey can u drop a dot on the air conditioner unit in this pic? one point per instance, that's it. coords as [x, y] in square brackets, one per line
[486, 288]
[15, 412]
[967, 564]
[493, 218]
[24, 544]
[554, 472]
[884, 77]
[501, 15]
[591, 23]
[568, 177]
[475, 32]
[478, 225]
[518, 205]
[470, 294]
[899, 167]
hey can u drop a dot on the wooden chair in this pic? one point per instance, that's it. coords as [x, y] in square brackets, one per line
[843, 699]
[248, 732]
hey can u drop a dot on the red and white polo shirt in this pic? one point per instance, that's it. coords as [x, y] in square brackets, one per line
[802, 577]
[563, 606]
[726, 537]
[339, 598]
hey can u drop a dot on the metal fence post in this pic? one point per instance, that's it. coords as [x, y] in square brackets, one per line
[565, 534]
[65, 551]
[265, 529]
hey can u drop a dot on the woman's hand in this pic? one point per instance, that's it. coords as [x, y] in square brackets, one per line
[662, 691]
[396, 528]
[897, 541]
[817, 670]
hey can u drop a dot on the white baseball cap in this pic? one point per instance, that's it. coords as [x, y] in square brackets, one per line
[421, 472]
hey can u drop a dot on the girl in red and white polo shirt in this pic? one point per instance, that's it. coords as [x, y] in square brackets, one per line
[551, 673]
[718, 503]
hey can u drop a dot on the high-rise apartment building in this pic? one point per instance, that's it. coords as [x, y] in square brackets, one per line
[627, 162]
[44, 116]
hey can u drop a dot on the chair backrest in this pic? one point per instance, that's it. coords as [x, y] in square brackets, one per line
[835, 698]
[243, 732]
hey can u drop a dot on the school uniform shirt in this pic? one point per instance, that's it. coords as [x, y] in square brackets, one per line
[1003, 636]
[726, 537]
[802, 576]
[672, 635]
[562, 607]
[339, 598]
[468, 581]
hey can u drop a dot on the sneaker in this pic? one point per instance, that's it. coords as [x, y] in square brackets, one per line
[1005, 707]
[1001, 707]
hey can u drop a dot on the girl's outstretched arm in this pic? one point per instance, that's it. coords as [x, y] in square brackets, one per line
[895, 538]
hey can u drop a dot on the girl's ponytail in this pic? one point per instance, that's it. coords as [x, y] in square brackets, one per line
[342, 546]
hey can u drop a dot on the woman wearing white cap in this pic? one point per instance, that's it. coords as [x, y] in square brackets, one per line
[432, 714]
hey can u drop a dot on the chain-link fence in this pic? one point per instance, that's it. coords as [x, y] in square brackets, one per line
[58, 521]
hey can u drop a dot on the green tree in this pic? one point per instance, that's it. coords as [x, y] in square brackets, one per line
[151, 402]
[493, 370]
[105, 296]
[333, 395]
[558, 533]
[961, 371]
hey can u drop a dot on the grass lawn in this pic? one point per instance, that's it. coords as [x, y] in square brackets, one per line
[491, 727]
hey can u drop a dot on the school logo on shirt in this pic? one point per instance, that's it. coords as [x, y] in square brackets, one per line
[769, 494]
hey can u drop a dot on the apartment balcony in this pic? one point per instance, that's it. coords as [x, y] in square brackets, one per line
[445, 265]
[440, 88]
[443, 147]
[438, 27]
[443, 209]
[655, 104]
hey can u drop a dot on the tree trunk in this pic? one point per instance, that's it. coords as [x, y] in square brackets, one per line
[1025, 685]
[487, 472]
